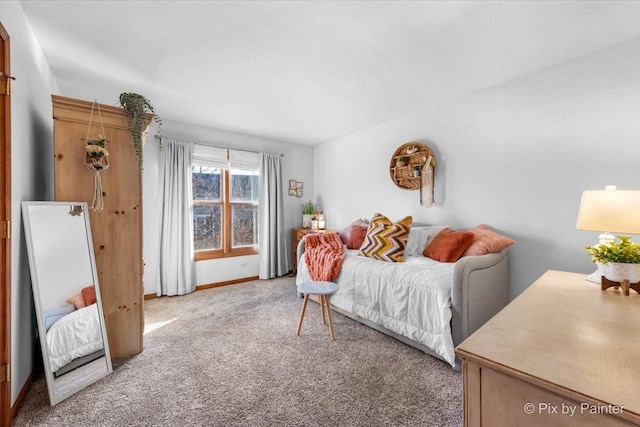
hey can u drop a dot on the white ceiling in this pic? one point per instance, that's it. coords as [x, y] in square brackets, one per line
[311, 71]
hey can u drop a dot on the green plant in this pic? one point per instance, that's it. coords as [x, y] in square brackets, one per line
[96, 147]
[136, 106]
[403, 159]
[308, 207]
[622, 250]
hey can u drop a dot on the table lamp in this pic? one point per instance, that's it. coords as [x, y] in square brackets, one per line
[609, 211]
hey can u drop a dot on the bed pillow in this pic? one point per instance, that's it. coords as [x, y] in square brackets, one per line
[356, 238]
[77, 300]
[386, 240]
[448, 245]
[89, 295]
[486, 241]
[346, 232]
[420, 237]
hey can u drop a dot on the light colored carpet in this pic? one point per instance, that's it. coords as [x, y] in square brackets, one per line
[229, 357]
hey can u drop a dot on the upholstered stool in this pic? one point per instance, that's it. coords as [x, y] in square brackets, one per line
[323, 289]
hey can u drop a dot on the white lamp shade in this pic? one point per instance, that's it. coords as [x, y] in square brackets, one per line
[616, 211]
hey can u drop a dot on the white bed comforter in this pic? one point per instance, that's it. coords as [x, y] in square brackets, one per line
[412, 298]
[75, 335]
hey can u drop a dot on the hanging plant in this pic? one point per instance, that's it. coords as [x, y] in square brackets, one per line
[96, 158]
[136, 106]
[97, 153]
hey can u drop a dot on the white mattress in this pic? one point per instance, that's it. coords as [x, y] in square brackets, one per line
[75, 335]
[412, 298]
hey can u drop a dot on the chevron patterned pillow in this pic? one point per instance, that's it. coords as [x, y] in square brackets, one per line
[386, 240]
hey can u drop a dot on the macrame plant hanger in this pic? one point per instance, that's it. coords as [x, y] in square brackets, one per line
[96, 163]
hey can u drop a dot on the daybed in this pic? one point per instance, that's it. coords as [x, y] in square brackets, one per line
[427, 304]
[74, 338]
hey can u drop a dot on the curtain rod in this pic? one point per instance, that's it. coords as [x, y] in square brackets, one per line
[159, 138]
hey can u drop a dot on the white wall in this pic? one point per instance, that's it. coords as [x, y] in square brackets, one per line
[31, 173]
[297, 164]
[516, 157]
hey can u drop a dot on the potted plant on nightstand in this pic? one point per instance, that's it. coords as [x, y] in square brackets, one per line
[308, 209]
[619, 260]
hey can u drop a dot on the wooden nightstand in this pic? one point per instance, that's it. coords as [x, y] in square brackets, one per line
[564, 353]
[298, 234]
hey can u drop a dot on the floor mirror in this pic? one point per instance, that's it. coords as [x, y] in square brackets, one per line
[66, 295]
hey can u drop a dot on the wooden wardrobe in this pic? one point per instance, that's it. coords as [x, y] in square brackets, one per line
[117, 229]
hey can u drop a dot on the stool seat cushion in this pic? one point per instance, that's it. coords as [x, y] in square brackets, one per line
[318, 288]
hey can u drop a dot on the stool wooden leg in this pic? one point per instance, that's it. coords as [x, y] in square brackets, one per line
[304, 307]
[322, 305]
[333, 334]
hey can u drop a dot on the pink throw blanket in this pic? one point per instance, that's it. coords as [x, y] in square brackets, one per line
[323, 254]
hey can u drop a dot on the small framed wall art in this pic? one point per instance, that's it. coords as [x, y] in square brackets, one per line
[295, 188]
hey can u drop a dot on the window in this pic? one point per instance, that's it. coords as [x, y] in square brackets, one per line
[225, 203]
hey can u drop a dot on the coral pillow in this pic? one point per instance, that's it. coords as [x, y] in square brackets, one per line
[486, 241]
[89, 295]
[449, 245]
[386, 240]
[77, 300]
[346, 232]
[358, 233]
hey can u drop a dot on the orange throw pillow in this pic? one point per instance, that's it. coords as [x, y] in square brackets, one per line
[89, 295]
[77, 300]
[448, 245]
[486, 241]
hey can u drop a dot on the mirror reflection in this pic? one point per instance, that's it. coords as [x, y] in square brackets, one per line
[66, 293]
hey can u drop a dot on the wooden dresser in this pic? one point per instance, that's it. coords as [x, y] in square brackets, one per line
[564, 353]
[298, 234]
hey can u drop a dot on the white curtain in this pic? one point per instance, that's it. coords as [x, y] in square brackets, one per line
[271, 243]
[176, 274]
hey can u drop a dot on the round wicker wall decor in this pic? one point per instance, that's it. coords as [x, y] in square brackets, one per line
[407, 158]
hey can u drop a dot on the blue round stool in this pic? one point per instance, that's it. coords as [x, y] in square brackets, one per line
[323, 289]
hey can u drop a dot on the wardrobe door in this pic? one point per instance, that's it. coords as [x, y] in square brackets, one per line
[117, 228]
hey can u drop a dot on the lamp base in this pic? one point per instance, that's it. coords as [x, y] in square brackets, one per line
[595, 277]
[605, 238]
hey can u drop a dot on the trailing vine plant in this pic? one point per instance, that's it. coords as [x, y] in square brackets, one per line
[136, 106]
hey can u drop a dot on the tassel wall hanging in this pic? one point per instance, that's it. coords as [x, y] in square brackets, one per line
[426, 183]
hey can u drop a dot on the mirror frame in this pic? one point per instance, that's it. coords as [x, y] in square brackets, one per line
[54, 397]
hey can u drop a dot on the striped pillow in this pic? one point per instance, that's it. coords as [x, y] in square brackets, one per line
[385, 240]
